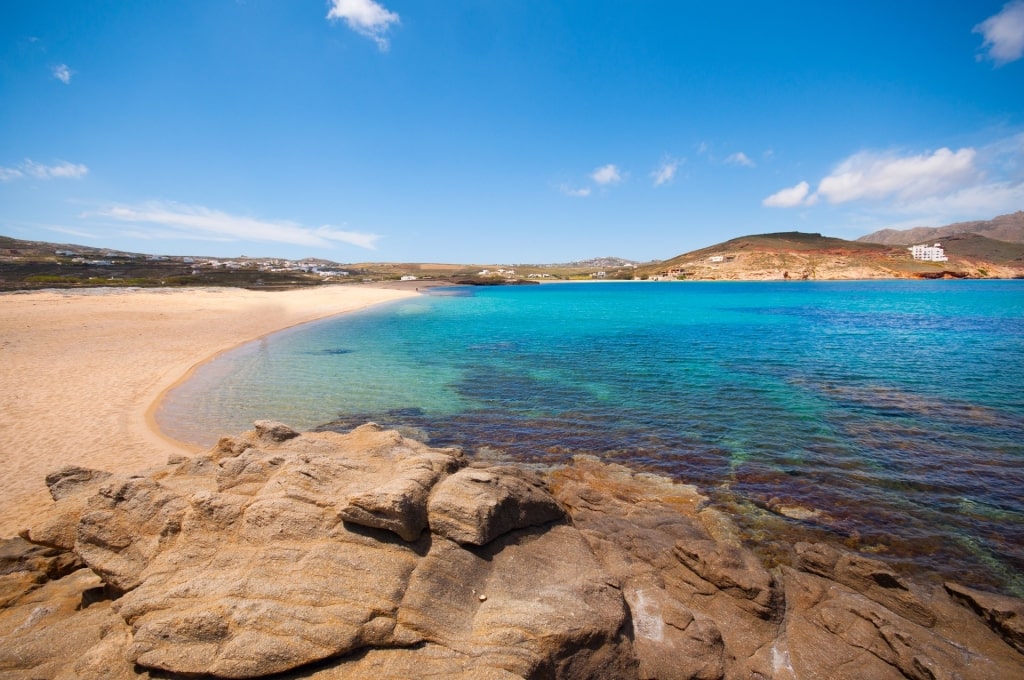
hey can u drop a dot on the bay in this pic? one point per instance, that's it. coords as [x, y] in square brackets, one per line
[884, 415]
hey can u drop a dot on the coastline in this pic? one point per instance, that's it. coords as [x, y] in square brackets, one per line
[83, 371]
[174, 541]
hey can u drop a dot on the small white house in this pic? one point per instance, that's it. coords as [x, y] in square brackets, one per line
[933, 253]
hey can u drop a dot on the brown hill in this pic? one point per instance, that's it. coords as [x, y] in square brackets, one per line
[976, 247]
[1009, 228]
[797, 255]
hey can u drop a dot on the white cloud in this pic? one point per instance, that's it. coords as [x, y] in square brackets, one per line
[192, 221]
[981, 201]
[365, 17]
[63, 73]
[666, 172]
[740, 158]
[1004, 33]
[934, 188]
[606, 174]
[873, 175]
[973, 202]
[788, 198]
[62, 170]
[582, 192]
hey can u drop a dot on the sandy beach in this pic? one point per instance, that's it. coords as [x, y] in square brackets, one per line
[82, 370]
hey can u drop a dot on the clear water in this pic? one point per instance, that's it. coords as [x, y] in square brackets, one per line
[890, 415]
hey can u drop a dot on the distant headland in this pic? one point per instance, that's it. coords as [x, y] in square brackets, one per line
[983, 249]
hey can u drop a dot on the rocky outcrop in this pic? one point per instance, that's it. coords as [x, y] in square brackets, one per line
[1004, 615]
[473, 507]
[24, 567]
[334, 556]
[871, 578]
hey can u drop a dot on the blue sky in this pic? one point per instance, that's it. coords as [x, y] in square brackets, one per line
[492, 131]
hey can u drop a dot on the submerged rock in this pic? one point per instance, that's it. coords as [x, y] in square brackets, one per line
[368, 554]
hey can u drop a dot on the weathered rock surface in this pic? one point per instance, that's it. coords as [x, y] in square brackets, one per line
[474, 507]
[370, 555]
[869, 577]
[1005, 615]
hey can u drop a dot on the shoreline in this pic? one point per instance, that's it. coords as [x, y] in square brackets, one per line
[84, 371]
[158, 400]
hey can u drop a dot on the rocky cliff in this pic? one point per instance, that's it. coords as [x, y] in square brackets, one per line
[367, 554]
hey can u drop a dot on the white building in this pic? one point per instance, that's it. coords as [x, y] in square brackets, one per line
[933, 253]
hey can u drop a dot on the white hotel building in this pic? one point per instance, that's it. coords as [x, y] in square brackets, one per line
[933, 253]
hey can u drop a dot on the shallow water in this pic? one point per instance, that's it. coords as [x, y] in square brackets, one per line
[886, 415]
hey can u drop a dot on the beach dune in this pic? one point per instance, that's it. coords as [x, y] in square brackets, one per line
[82, 370]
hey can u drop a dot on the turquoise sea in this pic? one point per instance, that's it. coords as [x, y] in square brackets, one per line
[888, 416]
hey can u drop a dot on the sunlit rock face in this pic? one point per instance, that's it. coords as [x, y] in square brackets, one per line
[367, 554]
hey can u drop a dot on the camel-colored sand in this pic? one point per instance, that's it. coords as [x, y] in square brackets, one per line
[80, 371]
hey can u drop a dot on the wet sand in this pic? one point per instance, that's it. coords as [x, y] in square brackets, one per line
[82, 371]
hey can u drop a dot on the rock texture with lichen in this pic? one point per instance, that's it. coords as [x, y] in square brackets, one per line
[368, 554]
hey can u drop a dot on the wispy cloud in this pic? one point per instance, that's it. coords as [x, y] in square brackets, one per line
[603, 176]
[62, 73]
[74, 232]
[1004, 34]
[740, 158]
[158, 234]
[788, 198]
[62, 170]
[29, 168]
[192, 221]
[665, 172]
[991, 198]
[581, 192]
[606, 174]
[366, 18]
